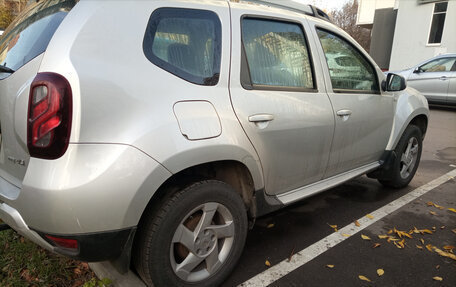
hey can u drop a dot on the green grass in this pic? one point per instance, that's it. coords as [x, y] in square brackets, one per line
[23, 263]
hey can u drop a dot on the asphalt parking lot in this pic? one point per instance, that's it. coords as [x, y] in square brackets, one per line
[302, 248]
[283, 235]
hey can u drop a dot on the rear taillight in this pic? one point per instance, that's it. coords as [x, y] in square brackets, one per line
[63, 242]
[49, 116]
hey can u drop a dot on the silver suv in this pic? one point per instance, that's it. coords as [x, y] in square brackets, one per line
[159, 130]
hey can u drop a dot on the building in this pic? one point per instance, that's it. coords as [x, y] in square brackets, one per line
[407, 32]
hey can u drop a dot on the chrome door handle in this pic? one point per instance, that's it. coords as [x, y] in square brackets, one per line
[261, 118]
[443, 78]
[343, 113]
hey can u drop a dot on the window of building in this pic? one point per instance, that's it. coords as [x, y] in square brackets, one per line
[186, 43]
[438, 22]
[276, 54]
[348, 68]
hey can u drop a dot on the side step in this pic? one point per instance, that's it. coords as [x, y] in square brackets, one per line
[4, 226]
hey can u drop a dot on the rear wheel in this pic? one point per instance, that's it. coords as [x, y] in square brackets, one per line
[194, 238]
[408, 152]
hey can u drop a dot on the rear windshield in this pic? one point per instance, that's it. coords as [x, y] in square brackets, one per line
[29, 34]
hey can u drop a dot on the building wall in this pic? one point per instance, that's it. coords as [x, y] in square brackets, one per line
[382, 36]
[366, 11]
[412, 33]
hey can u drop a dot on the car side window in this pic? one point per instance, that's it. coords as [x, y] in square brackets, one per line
[349, 70]
[438, 65]
[276, 55]
[186, 43]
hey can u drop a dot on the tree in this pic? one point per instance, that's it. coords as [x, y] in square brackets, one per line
[346, 19]
[6, 16]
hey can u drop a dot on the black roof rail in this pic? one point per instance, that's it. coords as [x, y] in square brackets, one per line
[294, 6]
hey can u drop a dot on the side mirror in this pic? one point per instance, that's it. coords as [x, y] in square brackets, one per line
[394, 83]
[417, 70]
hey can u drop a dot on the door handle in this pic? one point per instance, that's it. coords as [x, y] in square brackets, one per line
[343, 113]
[443, 78]
[261, 118]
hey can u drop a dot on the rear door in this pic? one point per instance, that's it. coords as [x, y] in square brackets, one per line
[279, 101]
[433, 78]
[21, 49]
[363, 115]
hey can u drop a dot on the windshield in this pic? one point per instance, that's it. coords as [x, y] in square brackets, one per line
[29, 34]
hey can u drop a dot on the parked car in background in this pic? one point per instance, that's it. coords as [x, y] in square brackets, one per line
[164, 145]
[434, 78]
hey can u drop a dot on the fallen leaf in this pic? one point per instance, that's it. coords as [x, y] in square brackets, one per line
[271, 225]
[423, 231]
[430, 203]
[449, 247]
[422, 240]
[333, 227]
[419, 246]
[415, 230]
[438, 206]
[369, 216]
[434, 228]
[433, 212]
[376, 245]
[330, 266]
[77, 271]
[398, 245]
[452, 209]
[442, 227]
[445, 254]
[365, 237]
[345, 235]
[437, 267]
[437, 278]
[402, 243]
[380, 272]
[364, 278]
[390, 231]
[454, 230]
[429, 247]
[291, 254]
[357, 223]
[267, 263]
[383, 236]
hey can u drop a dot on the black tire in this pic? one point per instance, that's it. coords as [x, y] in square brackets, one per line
[154, 252]
[397, 179]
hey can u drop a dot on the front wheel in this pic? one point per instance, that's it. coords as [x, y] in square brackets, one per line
[194, 238]
[408, 152]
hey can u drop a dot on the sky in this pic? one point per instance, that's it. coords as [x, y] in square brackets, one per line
[326, 5]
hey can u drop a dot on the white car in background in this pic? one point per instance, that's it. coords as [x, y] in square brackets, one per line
[434, 78]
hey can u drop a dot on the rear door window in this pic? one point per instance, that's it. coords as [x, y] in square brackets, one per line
[30, 33]
[186, 43]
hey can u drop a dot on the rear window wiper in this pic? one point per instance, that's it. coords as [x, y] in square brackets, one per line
[5, 69]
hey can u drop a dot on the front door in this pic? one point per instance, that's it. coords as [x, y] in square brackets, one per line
[363, 115]
[281, 105]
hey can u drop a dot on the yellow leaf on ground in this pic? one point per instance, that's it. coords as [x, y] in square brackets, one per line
[437, 278]
[437, 267]
[449, 247]
[419, 246]
[333, 227]
[430, 203]
[415, 230]
[445, 254]
[267, 263]
[452, 209]
[380, 272]
[454, 230]
[429, 247]
[390, 231]
[402, 243]
[376, 245]
[345, 235]
[423, 231]
[383, 236]
[442, 227]
[398, 245]
[271, 225]
[330, 266]
[369, 216]
[433, 212]
[422, 240]
[364, 278]
[357, 223]
[365, 237]
[438, 206]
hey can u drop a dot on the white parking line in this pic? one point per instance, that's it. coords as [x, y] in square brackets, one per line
[302, 257]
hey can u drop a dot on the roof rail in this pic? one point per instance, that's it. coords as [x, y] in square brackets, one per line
[294, 6]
